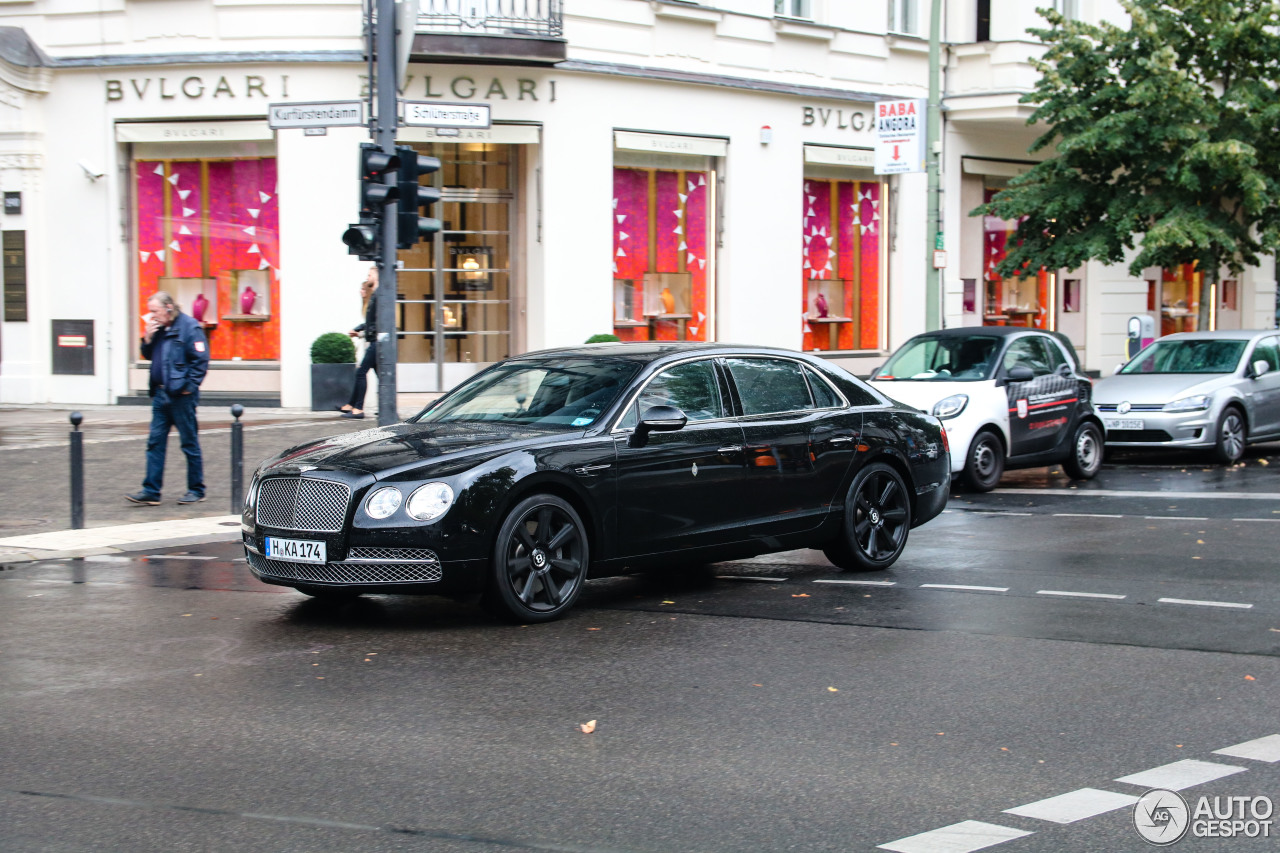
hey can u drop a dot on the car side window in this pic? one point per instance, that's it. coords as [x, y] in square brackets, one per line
[1027, 352]
[770, 385]
[1268, 350]
[823, 396]
[690, 387]
[1054, 357]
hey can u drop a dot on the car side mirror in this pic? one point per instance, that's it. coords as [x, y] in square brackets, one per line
[1021, 373]
[1065, 370]
[875, 371]
[1260, 367]
[658, 419]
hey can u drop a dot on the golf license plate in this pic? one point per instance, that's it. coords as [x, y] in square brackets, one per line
[295, 550]
[1124, 423]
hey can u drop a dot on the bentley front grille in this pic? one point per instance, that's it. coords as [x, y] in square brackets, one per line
[299, 503]
[356, 570]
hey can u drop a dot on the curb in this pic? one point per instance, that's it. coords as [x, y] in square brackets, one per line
[121, 539]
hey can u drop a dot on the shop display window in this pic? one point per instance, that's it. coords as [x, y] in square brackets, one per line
[1020, 300]
[1179, 299]
[662, 265]
[841, 264]
[207, 232]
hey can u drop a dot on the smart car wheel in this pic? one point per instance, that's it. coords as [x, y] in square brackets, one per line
[1231, 437]
[333, 594]
[1086, 453]
[985, 463]
[877, 517]
[539, 561]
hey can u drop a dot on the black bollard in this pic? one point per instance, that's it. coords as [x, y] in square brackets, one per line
[237, 461]
[77, 472]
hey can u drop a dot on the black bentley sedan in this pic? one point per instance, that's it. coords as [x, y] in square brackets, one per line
[554, 467]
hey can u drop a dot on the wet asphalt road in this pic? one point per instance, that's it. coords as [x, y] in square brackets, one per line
[1036, 641]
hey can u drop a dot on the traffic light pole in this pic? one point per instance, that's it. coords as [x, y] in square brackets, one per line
[385, 137]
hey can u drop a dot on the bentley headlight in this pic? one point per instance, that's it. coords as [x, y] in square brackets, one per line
[1198, 403]
[383, 502]
[949, 407]
[429, 502]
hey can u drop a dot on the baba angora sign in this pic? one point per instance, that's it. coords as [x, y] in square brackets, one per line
[900, 132]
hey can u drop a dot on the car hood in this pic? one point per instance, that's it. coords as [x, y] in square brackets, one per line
[1152, 388]
[925, 393]
[383, 451]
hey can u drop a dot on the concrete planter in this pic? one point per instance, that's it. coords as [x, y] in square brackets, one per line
[331, 385]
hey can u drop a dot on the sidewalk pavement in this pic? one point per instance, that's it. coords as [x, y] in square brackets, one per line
[91, 542]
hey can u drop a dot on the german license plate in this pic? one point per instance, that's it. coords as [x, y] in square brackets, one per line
[1124, 423]
[295, 550]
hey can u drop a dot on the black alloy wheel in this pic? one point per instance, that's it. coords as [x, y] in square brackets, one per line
[328, 594]
[1086, 452]
[877, 518]
[1231, 437]
[984, 466]
[540, 560]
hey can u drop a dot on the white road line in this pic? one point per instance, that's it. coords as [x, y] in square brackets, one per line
[1125, 493]
[1206, 603]
[176, 557]
[1181, 774]
[963, 837]
[863, 583]
[755, 578]
[963, 587]
[1263, 749]
[1255, 519]
[1175, 518]
[1085, 515]
[1077, 805]
[1079, 594]
[993, 512]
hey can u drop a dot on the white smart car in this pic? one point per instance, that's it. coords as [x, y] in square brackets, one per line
[1008, 398]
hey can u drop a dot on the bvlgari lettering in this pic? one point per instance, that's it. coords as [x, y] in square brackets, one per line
[855, 120]
[467, 88]
[193, 87]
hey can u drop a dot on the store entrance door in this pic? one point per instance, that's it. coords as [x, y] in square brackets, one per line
[454, 306]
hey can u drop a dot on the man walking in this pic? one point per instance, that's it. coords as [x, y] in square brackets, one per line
[179, 355]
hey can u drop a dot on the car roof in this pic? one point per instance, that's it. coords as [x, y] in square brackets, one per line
[1224, 335]
[973, 331]
[649, 351]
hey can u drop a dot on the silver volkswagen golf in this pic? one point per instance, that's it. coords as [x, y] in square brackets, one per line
[1213, 390]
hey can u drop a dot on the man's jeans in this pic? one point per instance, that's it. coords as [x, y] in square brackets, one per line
[169, 412]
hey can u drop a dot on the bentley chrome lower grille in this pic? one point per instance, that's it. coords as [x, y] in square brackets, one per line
[424, 567]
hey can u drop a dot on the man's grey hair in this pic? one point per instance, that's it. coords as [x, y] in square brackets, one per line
[164, 299]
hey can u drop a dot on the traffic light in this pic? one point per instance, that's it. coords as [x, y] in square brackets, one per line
[412, 196]
[363, 237]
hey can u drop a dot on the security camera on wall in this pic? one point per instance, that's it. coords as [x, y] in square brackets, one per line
[91, 172]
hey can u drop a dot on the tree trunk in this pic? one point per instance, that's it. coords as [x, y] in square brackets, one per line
[1207, 294]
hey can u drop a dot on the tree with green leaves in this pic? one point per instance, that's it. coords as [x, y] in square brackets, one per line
[1166, 138]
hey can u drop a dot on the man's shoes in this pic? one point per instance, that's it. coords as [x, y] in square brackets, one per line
[143, 499]
[189, 498]
[355, 416]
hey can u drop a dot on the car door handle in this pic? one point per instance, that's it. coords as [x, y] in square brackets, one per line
[841, 439]
[730, 448]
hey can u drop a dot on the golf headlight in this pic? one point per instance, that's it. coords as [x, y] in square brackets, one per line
[949, 407]
[383, 502]
[429, 502]
[1198, 403]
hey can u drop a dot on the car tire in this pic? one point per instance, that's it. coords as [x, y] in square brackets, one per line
[984, 466]
[877, 519]
[1230, 437]
[540, 561]
[1085, 459]
[328, 594]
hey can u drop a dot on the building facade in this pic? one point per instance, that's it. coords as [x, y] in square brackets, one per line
[655, 169]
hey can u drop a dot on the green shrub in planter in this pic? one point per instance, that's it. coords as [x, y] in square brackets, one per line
[333, 348]
[603, 339]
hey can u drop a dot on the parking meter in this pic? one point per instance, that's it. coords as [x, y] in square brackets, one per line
[1141, 332]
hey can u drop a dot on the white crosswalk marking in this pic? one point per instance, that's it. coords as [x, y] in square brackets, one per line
[963, 837]
[964, 587]
[1234, 604]
[1181, 774]
[1074, 806]
[1263, 749]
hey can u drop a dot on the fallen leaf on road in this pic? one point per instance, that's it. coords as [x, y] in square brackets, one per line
[1199, 541]
[1004, 749]
[668, 602]
[834, 689]
[1250, 678]
[801, 595]
[1263, 462]
[761, 685]
[593, 629]
[588, 727]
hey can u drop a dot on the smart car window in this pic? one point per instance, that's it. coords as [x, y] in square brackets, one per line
[943, 358]
[769, 385]
[1188, 355]
[1027, 352]
[570, 393]
[690, 387]
[1054, 356]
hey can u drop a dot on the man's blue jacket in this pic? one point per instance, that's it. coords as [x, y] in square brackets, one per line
[185, 354]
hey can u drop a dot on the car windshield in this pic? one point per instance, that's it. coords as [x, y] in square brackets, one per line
[560, 393]
[1189, 355]
[943, 358]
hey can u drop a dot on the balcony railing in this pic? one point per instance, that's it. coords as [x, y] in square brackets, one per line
[537, 18]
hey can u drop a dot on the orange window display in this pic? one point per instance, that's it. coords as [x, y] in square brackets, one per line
[661, 254]
[208, 233]
[841, 266]
[1023, 300]
[1179, 299]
